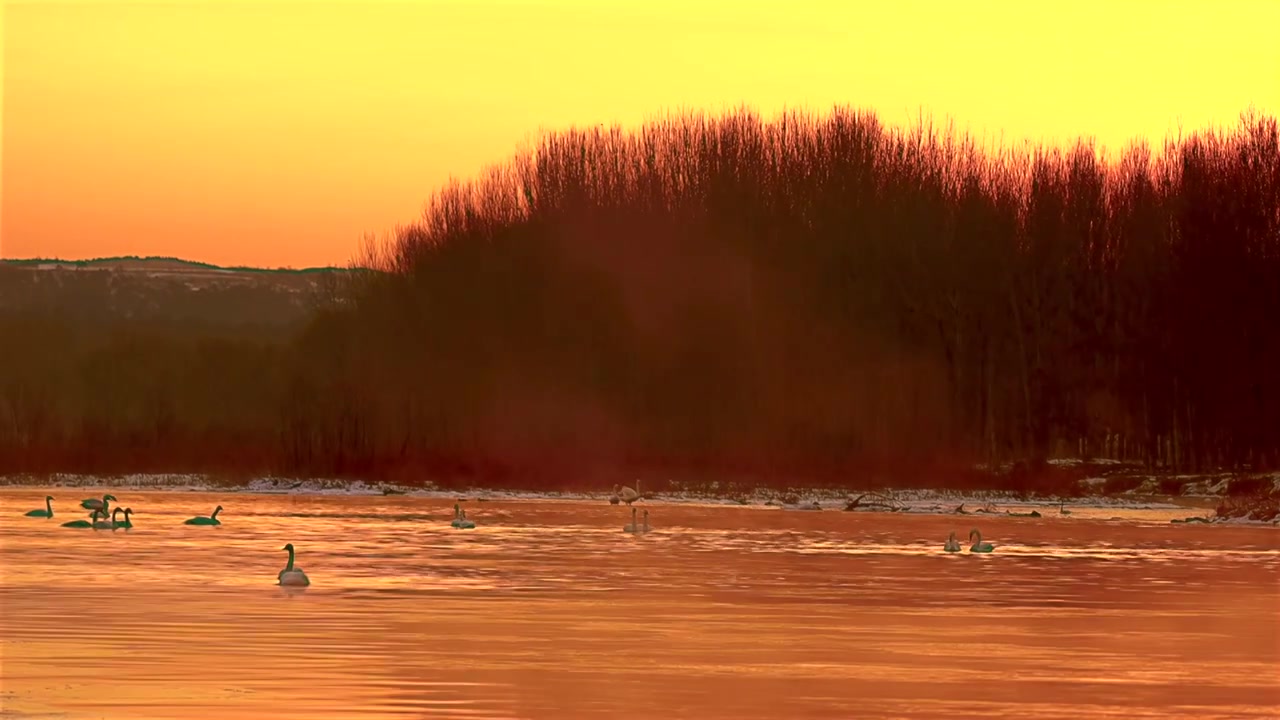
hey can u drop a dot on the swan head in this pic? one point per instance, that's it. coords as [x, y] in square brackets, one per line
[217, 508]
[109, 497]
[48, 497]
[974, 532]
[288, 547]
[126, 512]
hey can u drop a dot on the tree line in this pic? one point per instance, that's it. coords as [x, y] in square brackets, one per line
[808, 296]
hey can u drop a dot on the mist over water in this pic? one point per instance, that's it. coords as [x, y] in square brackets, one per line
[548, 610]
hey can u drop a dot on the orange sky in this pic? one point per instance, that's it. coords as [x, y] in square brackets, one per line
[277, 133]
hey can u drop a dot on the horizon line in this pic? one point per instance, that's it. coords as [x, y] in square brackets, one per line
[195, 263]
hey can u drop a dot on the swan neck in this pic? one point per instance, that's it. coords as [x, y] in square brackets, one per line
[289, 567]
[214, 516]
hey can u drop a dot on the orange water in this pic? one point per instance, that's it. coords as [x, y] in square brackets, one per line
[549, 610]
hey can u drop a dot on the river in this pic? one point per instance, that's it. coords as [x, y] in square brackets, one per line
[548, 610]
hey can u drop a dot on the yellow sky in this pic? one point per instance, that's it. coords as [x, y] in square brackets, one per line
[277, 133]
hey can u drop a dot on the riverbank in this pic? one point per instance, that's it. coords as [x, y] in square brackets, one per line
[1213, 498]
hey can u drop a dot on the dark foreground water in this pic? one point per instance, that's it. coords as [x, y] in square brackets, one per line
[549, 610]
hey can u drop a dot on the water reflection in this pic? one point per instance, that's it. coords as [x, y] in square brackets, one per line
[547, 609]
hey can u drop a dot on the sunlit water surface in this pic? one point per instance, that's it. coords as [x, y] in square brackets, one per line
[548, 610]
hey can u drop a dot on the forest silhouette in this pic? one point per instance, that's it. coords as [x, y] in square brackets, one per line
[817, 298]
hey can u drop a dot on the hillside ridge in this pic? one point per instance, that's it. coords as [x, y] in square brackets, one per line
[123, 262]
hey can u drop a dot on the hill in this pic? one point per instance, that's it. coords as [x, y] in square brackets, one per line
[162, 289]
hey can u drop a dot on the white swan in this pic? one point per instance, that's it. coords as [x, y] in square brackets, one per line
[953, 545]
[979, 546]
[96, 504]
[101, 521]
[290, 575]
[626, 494]
[633, 526]
[645, 528]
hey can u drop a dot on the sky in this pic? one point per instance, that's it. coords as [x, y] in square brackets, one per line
[280, 133]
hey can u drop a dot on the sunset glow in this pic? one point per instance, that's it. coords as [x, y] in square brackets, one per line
[278, 133]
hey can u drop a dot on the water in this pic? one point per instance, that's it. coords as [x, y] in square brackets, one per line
[548, 610]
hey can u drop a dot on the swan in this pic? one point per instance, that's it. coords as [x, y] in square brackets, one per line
[202, 520]
[1061, 509]
[645, 528]
[47, 512]
[626, 494]
[463, 523]
[291, 575]
[634, 526]
[126, 523]
[979, 546]
[101, 521]
[953, 545]
[83, 523]
[96, 504]
[457, 515]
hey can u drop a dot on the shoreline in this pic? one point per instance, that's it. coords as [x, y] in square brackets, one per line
[1200, 507]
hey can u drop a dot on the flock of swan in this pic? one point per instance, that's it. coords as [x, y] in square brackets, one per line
[103, 517]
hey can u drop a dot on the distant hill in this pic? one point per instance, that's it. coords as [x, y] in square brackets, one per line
[155, 263]
[163, 289]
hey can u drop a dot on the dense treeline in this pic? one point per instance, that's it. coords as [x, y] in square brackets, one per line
[129, 371]
[802, 297]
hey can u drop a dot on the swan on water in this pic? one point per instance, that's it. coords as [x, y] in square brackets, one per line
[101, 521]
[463, 523]
[96, 504]
[47, 512]
[1061, 509]
[457, 515]
[645, 528]
[126, 523]
[979, 546]
[626, 494]
[633, 526]
[290, 575]
[203, 520]
[93, 517]
[953, 545]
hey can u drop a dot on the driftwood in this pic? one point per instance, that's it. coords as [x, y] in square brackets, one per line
[878, 501]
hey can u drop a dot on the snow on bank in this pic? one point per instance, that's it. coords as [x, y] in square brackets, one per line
[795, 499]
[909, 501]
[1144, 496]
